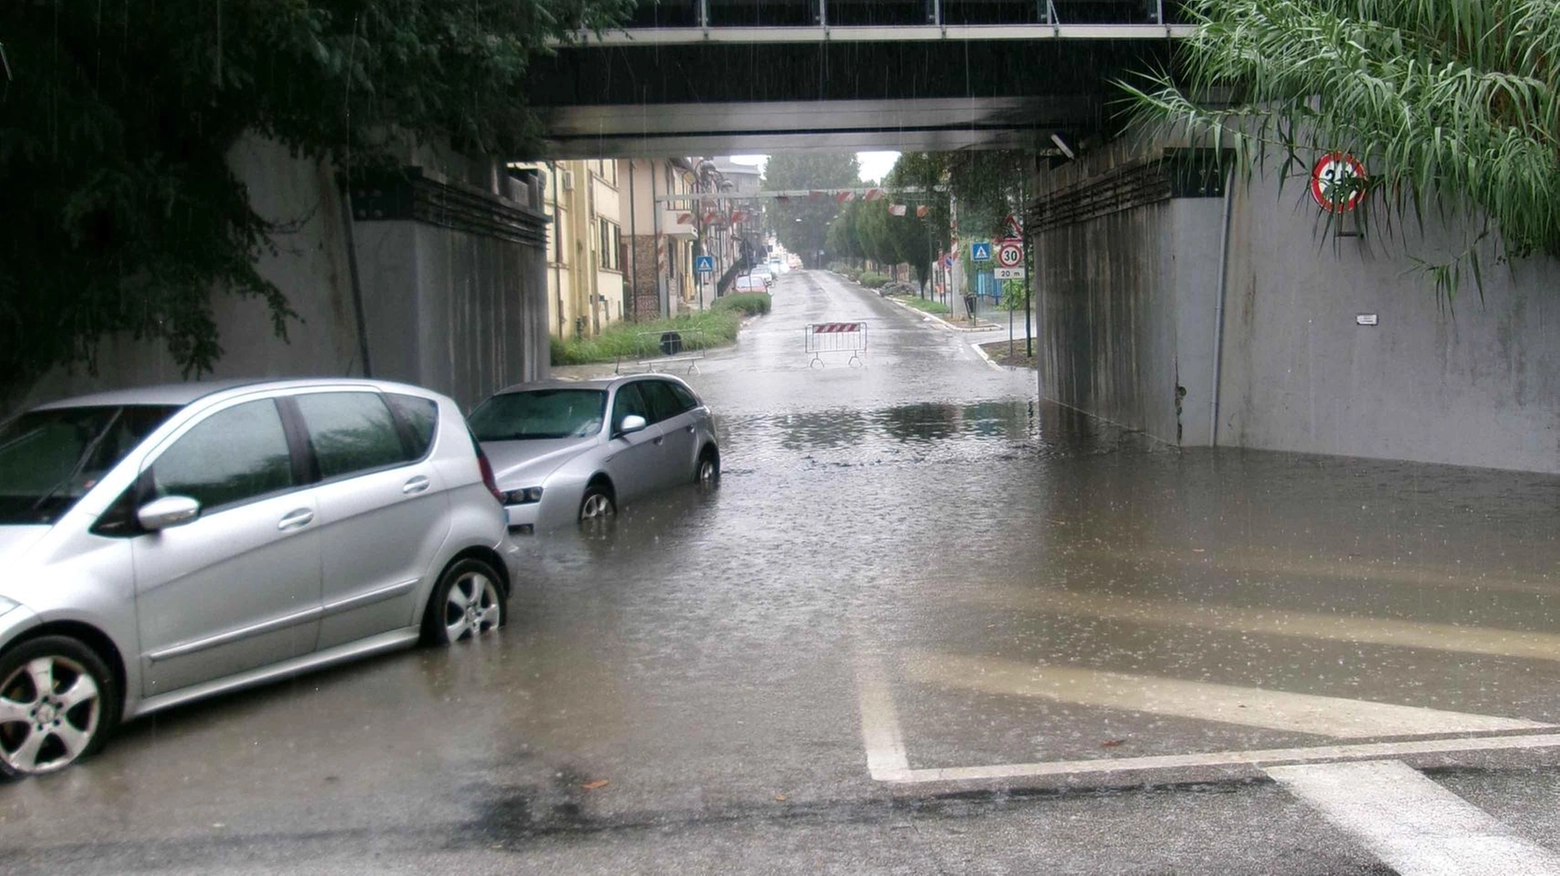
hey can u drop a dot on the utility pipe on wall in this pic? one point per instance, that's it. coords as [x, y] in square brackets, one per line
[1218, 315]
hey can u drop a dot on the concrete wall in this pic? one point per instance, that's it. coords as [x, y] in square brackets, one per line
[1126, 307]
[1479, 385]
[454, 311]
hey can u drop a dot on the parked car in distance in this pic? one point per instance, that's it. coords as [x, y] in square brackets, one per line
[566, 451]
[749, 283]
[164, 544]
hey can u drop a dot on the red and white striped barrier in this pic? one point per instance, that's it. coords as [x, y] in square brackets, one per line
[835, 337]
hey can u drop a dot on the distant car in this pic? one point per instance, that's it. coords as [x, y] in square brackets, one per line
[164, 544]
[750, 283]
[778, 266]
[566, 451]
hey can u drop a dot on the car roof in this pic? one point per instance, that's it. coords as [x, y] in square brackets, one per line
[181, 394]
[601, 383]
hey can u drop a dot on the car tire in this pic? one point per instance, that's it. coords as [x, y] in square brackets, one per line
[69, 720]
[707, 472]
[597, 504]
[468, 602]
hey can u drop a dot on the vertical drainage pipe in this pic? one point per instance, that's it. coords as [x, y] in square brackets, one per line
[1218, 314]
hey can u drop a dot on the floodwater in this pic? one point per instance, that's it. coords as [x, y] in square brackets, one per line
[909, 567]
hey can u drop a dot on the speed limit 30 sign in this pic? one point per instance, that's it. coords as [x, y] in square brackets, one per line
[1010, 254]
[1338, 182]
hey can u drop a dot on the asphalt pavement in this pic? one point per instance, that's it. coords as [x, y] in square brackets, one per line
[927, 624]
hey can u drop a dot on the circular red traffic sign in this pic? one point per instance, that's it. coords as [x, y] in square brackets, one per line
[1338, 182]
[1009, 255]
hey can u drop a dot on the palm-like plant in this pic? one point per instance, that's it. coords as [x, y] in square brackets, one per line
[1455, 103]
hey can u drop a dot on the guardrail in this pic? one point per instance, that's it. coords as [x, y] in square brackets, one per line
[835, 337]
[653, 350]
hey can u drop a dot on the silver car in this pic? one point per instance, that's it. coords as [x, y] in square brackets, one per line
[577, 450]
[163, 544]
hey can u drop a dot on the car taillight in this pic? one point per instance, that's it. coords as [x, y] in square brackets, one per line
[487, 476]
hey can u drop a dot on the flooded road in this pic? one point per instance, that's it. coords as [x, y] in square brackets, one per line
[926, 624]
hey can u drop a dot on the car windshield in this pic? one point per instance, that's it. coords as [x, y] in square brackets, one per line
[539, 414]
[50, 458]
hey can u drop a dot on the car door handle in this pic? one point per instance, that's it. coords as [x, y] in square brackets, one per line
[688, 429]
[415, 485]
[659, 440]
[296, 520]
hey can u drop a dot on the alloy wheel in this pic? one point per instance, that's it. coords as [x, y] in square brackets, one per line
[472, 607]
[49, 712]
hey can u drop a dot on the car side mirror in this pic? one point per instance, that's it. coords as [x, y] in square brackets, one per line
[167, 512]
[631, 424]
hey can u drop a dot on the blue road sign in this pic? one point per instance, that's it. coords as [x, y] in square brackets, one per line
[706, 264]
[980, 252]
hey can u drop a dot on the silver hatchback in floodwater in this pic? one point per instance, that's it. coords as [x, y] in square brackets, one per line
[163, 544]
[576, 450]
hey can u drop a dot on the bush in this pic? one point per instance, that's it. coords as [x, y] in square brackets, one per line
[901, 288]
[719, 325]
[748, 303]
[873, 280]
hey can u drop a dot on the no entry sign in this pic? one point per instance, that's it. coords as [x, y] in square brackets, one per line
[1338, 182]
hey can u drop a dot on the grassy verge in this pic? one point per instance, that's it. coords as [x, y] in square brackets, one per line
[718, 325]
[925, 305]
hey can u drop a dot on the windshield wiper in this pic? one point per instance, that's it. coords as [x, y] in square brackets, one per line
[81, 463]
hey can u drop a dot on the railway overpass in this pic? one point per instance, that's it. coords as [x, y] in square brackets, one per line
[703, 77]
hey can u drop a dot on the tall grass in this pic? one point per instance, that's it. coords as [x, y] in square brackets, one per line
[718, 325]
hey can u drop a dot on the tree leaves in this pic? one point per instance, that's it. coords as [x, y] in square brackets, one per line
[123, 213]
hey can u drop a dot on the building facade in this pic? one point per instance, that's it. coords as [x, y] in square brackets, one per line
[587, 252]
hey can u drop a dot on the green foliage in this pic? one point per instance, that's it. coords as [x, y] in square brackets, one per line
[925, 305]
[802, 223]
[989, 186]
[747, 303]
[873, 280]
[1453, 104]
[622, 340]
[122, 212]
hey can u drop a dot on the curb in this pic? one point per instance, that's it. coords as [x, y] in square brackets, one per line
[987, 356]
[932, 317]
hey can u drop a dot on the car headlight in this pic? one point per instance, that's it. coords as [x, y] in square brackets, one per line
[526, 496]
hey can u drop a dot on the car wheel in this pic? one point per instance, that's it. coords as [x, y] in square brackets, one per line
[597, 504]
[467, 602]
[707, 473]
[58, 703]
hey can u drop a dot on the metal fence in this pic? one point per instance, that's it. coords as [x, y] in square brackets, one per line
[835, 337]
[654, 350]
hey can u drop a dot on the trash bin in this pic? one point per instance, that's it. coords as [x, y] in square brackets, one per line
[969, 305]
[671, 343]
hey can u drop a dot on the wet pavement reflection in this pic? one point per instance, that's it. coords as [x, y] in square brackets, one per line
[1034, 584]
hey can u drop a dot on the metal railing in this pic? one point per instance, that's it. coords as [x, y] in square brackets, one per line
[652, 350]
[705, 14]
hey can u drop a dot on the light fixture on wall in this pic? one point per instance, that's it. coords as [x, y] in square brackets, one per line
[1062, 145]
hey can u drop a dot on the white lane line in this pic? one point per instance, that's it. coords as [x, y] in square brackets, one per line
[886, 757]
[1295, 624]
[1414, 825]
[1245, 706]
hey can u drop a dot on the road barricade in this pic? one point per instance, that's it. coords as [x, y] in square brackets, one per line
[654, 350]
[835, 337]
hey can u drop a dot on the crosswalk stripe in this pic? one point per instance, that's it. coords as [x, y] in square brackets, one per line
[1275, 622]
[1414, 825]
[1246, 706]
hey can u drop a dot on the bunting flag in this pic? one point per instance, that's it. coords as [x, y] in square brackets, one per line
[815, 195]
[896, 210]
[709, 218]
[782, 200]
[921, 211]
[684, 218]
[844, 197]
[874, 195]
[737, 216]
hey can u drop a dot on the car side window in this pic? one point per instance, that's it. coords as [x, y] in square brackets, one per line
[234, 455]
[627, 401]
[663, 404]
[685, 397]
[351, 432]
[421, 416]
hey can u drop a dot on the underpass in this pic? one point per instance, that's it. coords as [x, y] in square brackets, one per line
[927, 624]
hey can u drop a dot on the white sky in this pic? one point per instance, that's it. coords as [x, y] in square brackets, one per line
[874, 165]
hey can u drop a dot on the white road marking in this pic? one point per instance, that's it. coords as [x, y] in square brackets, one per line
[1255, 757]
[886, 757]
[1295, 624]
[1414, 825]
[1246, 706]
